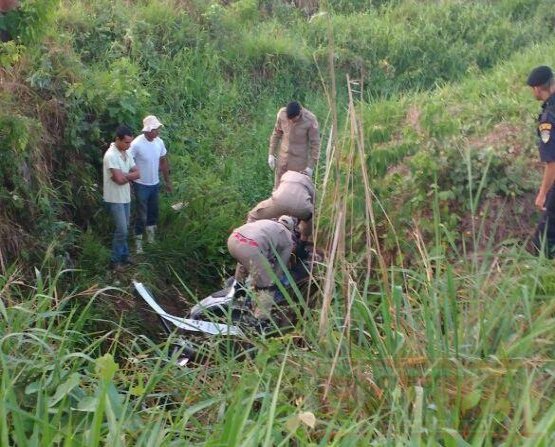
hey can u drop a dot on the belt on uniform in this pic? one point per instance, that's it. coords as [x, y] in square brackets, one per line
[245, 240]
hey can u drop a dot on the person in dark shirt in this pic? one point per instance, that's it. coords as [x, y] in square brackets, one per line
[542, 83]
[5, 7]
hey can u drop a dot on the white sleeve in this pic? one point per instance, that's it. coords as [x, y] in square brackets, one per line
[111, 162]
[163, 150]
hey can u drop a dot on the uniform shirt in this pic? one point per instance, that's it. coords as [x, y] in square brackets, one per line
[546, 131]
[268, 233]
[297, 139]
[116, 159]
[295, 192]
[147, 158]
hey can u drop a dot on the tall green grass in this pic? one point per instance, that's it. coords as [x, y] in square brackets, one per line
[421, 335]
[452, 353]
[457, 352]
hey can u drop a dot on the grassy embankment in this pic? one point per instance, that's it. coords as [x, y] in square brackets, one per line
[216, 76]
[422, 351]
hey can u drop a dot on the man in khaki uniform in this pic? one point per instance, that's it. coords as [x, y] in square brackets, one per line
[296, 132]
[294, 196]
[253, 245]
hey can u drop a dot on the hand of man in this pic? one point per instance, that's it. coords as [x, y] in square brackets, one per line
[169, 187]
[540, 201]
[272, 162]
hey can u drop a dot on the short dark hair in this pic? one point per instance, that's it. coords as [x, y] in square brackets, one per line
[541, 76]
[293, 109]
[123, 131]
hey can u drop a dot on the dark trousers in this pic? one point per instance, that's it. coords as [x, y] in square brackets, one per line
[146, 206]
[544, 236]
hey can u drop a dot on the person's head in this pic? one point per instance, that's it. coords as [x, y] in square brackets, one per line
[293, 110]
[124, 137]
[151, 127]
[541, 82]
[8, 5]
[287, 222]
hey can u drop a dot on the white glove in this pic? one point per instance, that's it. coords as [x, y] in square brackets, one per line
[308, 171]
[272, 162]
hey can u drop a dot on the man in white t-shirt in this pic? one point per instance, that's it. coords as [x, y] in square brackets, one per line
[118, 171]
[149, 153]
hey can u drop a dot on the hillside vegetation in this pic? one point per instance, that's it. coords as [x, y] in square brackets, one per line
[433, 326]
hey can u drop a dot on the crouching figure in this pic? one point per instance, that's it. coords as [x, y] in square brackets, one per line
[261, 248]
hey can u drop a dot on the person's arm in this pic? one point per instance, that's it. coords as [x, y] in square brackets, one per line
[284, 254]
[314, 139]
[120, 178]
[165, 169]
[275, 138]
[133, 174]
[117, 175]
[546, 184]
[546, 131]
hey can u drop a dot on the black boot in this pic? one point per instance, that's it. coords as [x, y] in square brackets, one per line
[240, 289]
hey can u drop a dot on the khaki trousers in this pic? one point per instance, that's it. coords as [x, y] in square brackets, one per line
[250, 260]
[288, 163]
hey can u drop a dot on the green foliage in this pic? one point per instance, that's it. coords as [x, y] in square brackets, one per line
[31, 21]
[98, 40]
[415, 45]
[94, 254]
[461, 146]
[10, 53]
[18, 134]
[358, 6]
[107, 98]
[441, 362]
[198, 234]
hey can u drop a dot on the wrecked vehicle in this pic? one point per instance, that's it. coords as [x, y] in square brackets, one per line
[226, 318]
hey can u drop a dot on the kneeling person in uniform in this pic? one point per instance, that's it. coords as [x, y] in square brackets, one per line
[293, 197]
[255, 245]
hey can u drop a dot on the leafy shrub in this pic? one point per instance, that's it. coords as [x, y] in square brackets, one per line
[31, 21]
[94, 255]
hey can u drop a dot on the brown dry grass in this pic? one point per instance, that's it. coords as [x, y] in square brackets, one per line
[500, 219]
[413, 118]
[12, 240]
[503, 135]
[45, 119]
